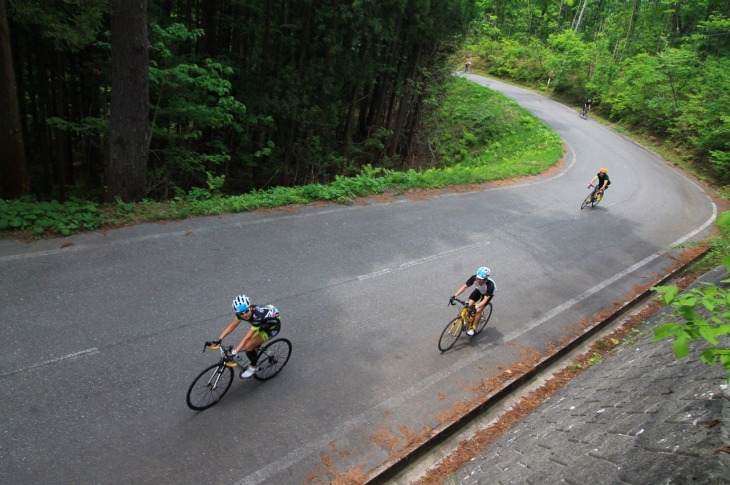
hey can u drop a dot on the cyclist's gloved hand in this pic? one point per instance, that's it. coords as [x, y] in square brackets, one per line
[451, 300]
[213, 343]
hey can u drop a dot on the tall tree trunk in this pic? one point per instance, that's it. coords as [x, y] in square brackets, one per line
[129, 119]
[580, 17]
[13, 166]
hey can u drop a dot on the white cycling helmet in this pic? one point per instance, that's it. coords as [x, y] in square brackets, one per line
[483, 272]
[241, 303]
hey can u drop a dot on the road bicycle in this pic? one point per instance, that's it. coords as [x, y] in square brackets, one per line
[212, 384]
[463, 321]
[584, 113]
[593, 198]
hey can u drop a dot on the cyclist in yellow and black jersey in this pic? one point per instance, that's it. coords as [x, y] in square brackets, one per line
[602, 180]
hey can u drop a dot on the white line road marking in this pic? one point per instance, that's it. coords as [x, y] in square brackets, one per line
[420, 261]
[92, 350]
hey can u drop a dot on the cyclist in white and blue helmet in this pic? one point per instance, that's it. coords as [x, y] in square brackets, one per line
[484, 289]
[265, 323]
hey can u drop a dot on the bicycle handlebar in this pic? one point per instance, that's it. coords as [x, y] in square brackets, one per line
[216, 345]
[453, 299]
[211, 344]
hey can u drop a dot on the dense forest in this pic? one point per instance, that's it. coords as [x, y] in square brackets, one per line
[153, 98]
[660, 67]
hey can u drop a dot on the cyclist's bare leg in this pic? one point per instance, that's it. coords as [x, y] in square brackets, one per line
[470, 302]
[475, 318]
[478, 314]
[251, 347]
[480, 309]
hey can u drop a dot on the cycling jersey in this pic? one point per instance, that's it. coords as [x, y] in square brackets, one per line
[487, 288]
[603, 177]
[264, 319]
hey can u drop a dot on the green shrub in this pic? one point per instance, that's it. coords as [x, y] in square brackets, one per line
[705, 311]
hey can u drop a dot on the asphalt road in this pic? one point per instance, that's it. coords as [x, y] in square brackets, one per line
[102, 333]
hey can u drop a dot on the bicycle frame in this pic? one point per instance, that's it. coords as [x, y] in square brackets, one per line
[229, 359]
[593, 198]
[467, 314]
[463, 321]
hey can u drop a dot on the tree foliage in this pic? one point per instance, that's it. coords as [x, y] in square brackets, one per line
[705, 311]
[659, 66]
[243, 95]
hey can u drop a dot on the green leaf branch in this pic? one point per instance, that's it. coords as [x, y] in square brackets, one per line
[705, 311]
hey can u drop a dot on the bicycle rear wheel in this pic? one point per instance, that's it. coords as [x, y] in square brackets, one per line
[486, 314]
[272, 359]
[451, 334]
[209, 387]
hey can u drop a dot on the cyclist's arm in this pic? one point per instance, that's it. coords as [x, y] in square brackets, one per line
[491, 288]
[249, 335]
[231, 326]
[483, 302]
[593, 180]
[460, 290]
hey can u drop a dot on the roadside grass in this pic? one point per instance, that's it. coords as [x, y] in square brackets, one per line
[477, 136]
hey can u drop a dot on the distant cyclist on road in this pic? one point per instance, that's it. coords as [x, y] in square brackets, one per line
[482, 294]
[467, 66]
[265, 323]
[602, 181]
[586, 108]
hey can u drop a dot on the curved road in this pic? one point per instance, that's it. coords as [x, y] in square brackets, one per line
[102, 333]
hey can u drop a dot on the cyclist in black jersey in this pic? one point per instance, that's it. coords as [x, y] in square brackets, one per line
[265, 323]
[602, 181]
[482, 294]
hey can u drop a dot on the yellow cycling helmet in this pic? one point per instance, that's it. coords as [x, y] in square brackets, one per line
[603, 170]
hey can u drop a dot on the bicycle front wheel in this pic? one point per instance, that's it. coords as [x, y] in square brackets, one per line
[451, 334]
[209, 387]
[587, 201]
[272, 359]
[486, 314]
